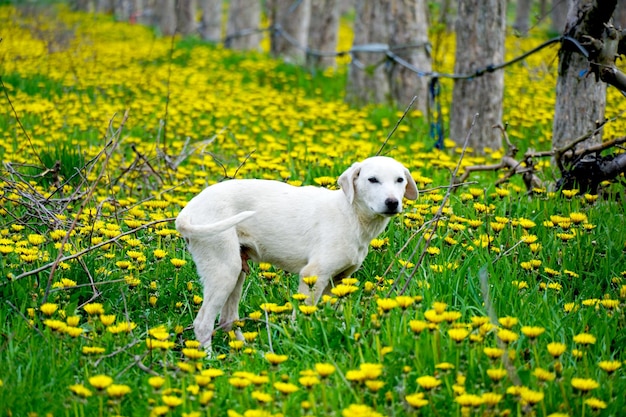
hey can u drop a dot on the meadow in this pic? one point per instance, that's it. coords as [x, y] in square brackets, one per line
[482, 301]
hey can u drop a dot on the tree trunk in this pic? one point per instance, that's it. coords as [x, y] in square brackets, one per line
[447, 15]
[580, 98]
[82, 5]
[186, 16]
[244, 18]
[522, 16]
[480, 42]
[104, 6]
[323, 32]
[291, 20]
[559, 14]
[408, 26]
[367, 80]
[211, 21]
[166, 12]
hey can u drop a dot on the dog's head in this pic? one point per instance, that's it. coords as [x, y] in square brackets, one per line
[378, 184]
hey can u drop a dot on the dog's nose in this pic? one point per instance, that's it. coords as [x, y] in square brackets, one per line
[392, 204]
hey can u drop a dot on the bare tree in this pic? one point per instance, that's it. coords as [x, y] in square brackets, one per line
[580, 99]
[166, 11]
[104, 6]
[367, 81]
[408, 27]
[211, 20]
[522, 16]
[290, 19]
[186, 17]
[244, 18]
[480, 41]
[559, 14]
[323, 32]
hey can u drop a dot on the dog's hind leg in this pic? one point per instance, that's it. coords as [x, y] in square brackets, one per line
[230, 311]
[220, 278]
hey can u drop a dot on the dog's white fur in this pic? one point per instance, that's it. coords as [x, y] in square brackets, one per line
[310, 231]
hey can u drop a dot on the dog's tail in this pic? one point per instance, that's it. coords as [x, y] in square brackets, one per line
[185, 228]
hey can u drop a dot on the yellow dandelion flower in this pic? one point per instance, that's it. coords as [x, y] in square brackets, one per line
[107, 319]
[610, 366]
[444, 366]
[343, 290]
[239, 382]
[458, 335]
[285, 387]
[595, 403]
[156, 382]
[100, 382]
[308, 381]
[118, 390]
[93, 350]
[80, 390]
[507, 336]
[428, 382]
[178, 263]
[416, 400]
[544, 375]
[93, 309]
[584, 384]
[261, 397]
[508, 322]
[378, 244]
[171, 401]
[310, 281]
[469, 400]
[371, 370]
[585, 339]
[533, 332]
[531, 397]
[307, 310]
[48, 309]
[493, 352]
[193, 354]
[404, 301]
[491, 399]
[496, 374]
[359, 410]
[386, 304]
[434, 317]
[206, 397]
[325, 369]
[569, 193]
[275, 359]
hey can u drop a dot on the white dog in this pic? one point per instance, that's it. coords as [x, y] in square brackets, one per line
[310, 231]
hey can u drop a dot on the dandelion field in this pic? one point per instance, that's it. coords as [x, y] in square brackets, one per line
[517, 307]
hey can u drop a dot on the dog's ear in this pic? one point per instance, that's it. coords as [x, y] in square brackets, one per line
[346, 180]
[411, 192]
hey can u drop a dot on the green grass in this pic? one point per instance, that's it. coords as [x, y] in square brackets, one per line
[244, 115]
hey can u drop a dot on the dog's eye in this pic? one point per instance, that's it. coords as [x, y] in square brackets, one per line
[400, 180]
[373, 180]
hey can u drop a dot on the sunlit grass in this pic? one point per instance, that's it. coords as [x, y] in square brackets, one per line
[114, 335]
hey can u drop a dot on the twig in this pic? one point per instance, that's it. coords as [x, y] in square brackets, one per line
[435, 219]
[19, 122]
[24, 317]
[87, 198]
[87, 250]
[117, 352]
[396, 125]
